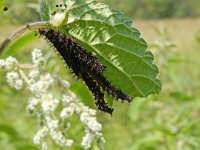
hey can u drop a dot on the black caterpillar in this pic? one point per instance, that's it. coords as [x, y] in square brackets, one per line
[85, 66]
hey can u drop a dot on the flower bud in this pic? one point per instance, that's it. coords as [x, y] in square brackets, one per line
[58, 18]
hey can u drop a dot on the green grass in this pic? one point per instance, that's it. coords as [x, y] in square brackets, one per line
[169, 121]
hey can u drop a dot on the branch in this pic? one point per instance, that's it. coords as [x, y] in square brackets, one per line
[21, 30]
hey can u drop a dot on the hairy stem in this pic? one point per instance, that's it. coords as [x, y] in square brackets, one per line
[21, 30]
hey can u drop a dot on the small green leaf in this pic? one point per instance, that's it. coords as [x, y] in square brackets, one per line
[44, 10]
[110, 35]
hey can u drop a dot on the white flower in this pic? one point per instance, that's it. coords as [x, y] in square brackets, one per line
[92, 112]
[68, 142]
[18, 84]
[14, 80]
[58, 18]
[84, 117]
[67, 112]
[66, 99]
[78, 109]
[72, 95]
[87, 140]
[36, 87]
[42, 85]
[91, 122]
[33, 103]
[44, 146]
[33, 73]
[101, 142]
[37, 57]
[47, 78]
[52, 124]
[94, 125]
[13, 75]
[44, 105]
[39, 137]
[59, 138]
[2, 63]
[10, 63]
[48, 103]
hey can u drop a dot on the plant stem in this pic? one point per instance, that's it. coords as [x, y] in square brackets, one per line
[26, 66]
[21, 30]
[24, 77]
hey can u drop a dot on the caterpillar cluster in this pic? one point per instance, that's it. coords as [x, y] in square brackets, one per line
[85, 66]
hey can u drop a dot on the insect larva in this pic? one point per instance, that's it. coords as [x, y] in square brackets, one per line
[86, 67]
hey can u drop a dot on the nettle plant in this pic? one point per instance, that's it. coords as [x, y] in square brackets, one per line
[100, 47]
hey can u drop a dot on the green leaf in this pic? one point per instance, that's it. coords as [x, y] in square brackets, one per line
[110, 35]
[81, 90]
[10, 131]
[44, 10]
[18, 44]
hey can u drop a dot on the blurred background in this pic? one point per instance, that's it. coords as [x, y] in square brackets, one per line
[168, 121]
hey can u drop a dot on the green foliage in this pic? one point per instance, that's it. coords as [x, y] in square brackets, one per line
[110, 35]
[19, 44]
[47, 7]
[164, 50]
[81, 90]
[12, 140]
[133, 8]
[168, 121]
[157, 8]
[44, 10]
[20, 11]
[173, 123]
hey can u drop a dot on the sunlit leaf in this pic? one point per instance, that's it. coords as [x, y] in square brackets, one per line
[111, 37]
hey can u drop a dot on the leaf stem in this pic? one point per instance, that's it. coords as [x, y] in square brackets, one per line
[24, 77]
[21, 30]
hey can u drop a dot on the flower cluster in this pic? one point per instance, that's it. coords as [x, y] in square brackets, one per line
[9, 63]
[52, 111]
[87, 117]
[13, 76]
[14, 80]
